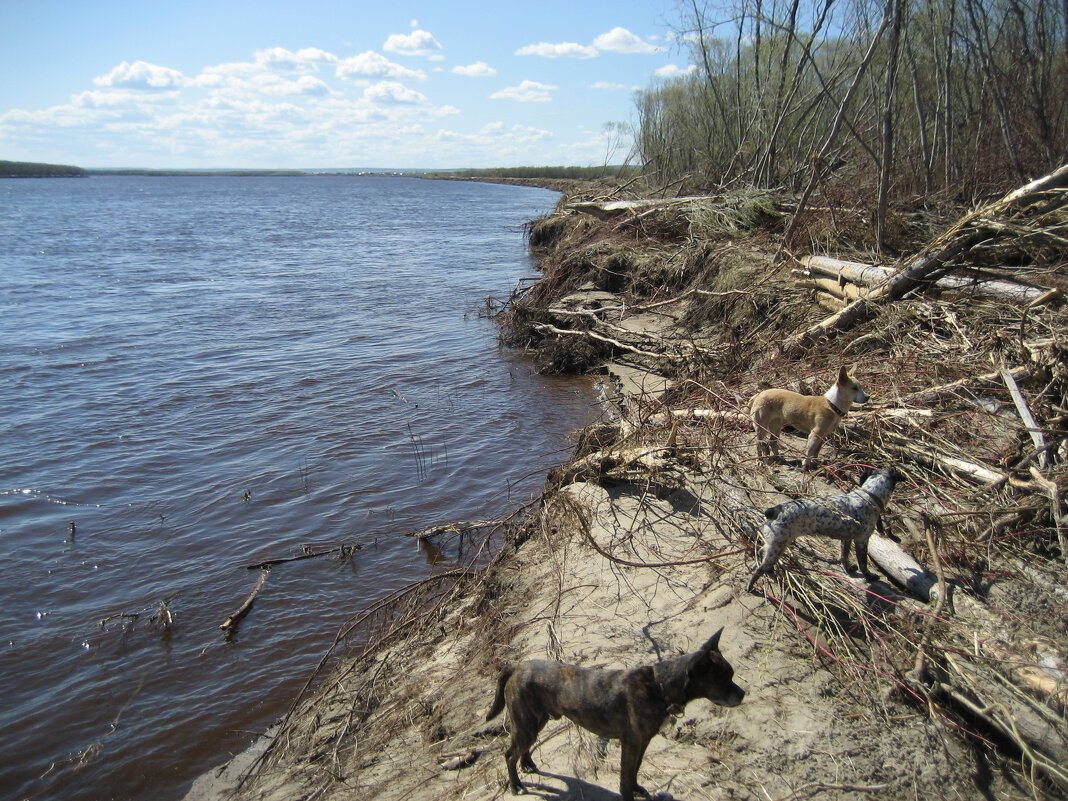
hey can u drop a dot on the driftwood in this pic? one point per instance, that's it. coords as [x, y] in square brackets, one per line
[1028, 419]
[986, 379]
[921, 583]
[906, 414]
[961, 237]
[458, 527]
[855, 278]
[980, 688]
[903, 569]
[552, 329]
[1060, 522]
[840, 290]
[341, 550]
[230, 624]
[933, 458]
[616, 208]
[1036, 731]
[661, 418]
[619, 463]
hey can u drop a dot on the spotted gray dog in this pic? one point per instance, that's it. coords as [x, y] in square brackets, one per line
[850, 518]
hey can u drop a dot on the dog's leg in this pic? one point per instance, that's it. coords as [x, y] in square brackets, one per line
[761, 441]
[861, 545]
[815, 442]
[511, 757]
[769, 555]
[773, 443]
[525, 729]
[633, 753]
[845, 553]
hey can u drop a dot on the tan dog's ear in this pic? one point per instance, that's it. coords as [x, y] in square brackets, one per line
[843, 375]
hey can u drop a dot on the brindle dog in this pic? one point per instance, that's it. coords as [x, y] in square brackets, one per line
[628, 705]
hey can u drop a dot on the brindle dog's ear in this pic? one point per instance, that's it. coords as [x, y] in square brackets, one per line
[713, 642]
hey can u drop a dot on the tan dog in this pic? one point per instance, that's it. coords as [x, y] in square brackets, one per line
[815, 415]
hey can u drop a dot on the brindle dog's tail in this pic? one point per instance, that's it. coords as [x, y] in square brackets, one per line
[498, 700]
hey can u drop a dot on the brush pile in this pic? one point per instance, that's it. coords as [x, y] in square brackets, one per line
[962, 348]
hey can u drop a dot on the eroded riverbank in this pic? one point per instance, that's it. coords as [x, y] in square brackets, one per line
[643, 541]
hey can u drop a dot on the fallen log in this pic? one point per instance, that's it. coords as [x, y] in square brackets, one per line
[616, 208]
[906, 414]
[617, 463]
[830, 304]
[903, 569]
[871, 275]
[853, 271]
[967, 232]
[1036, 732]
[932, 458]
[839, 289]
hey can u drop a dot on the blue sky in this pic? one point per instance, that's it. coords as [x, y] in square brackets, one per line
[325, 83]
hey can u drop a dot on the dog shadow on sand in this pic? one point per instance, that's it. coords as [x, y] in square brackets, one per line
[577, 790]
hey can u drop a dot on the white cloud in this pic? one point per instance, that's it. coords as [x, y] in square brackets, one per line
[416, 43]
[304, 85]
[608, 86]
[516, 133]
[140, 75]
[480, 69]
[306, 60]
[116, 98]
[495, 134]
[617, 40]
[620, 40]
[561, 50]
[673, 71]
[375, 65]
[393, 92]
[526, 92]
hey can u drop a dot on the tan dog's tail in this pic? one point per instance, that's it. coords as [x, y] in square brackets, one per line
[498, 700]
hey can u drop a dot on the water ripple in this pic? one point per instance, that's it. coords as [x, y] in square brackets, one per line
[201, 373]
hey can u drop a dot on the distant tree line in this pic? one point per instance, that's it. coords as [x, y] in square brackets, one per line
[202, 173]
[568, 173]
[897, 97]
[28, 169]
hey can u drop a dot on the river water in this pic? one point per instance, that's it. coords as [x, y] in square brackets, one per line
[199, 373]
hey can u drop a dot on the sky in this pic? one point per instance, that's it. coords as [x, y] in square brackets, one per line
[320, 84]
